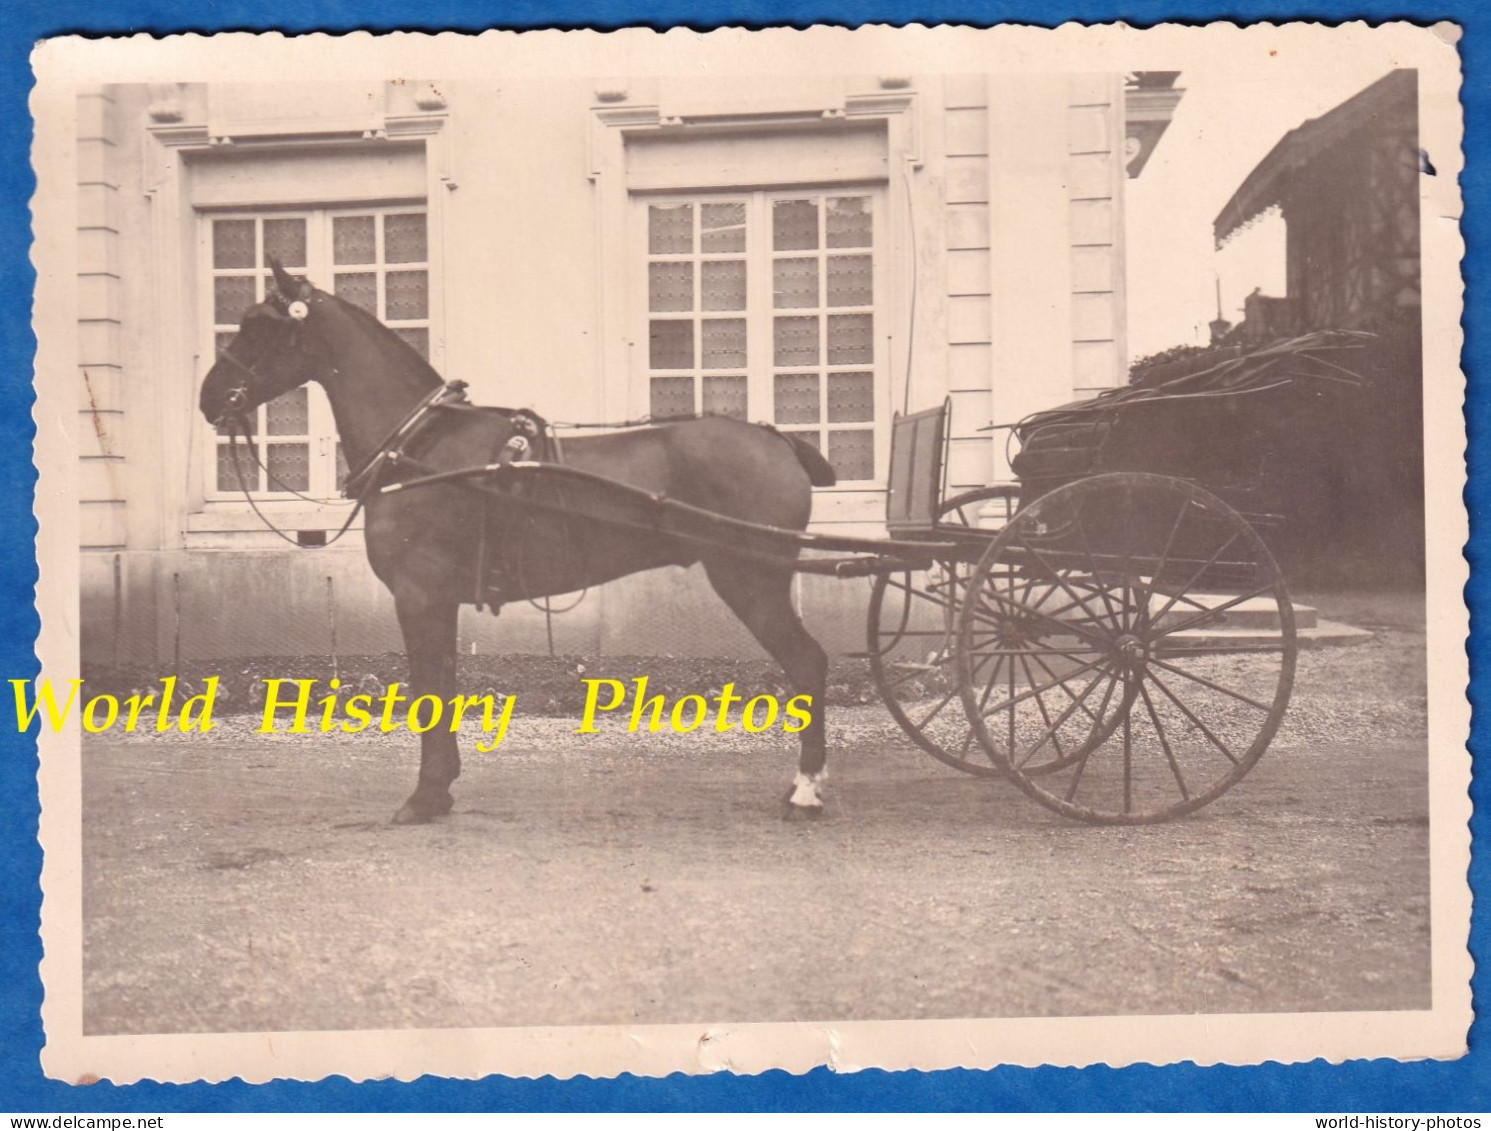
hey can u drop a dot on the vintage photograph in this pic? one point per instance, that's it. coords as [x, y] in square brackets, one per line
[912, 548]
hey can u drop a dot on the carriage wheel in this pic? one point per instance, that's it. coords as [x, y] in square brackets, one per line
[1126, 648]
[912, 629]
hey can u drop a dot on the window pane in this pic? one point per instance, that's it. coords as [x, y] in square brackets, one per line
[342, 471]
[406, 294]
[223, 339]
[794, 282]
[232, 243]
[849, 222]
[795, 397]
[231, 296]
[670, 286]
[416, 336]
[852, 453]
[851, 397]
[724, 343]
[352, 240]
[794, 225]
[289, 467]
[851, 281]
[671, 396]
[850, 339]
[289, 414]
[404, 238]
[671, 346]
[795, 341]
[227, 478]
[724, 285]
[285, 240]
[722, 227]
[670, 229]
[725, 396]
[360, 289]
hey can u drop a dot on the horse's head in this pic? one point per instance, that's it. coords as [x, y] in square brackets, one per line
[273, 351]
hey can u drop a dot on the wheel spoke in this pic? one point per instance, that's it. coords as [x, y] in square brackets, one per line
[1024, 695]
[1045, 668]
[1214, 686]
[1128, 753]
[1071, 789]
[1129, 598]
[1186, 588]
[1066, 714]
[1211, 612]
[1164, 742]
[1115, 616]
[1010, 683]
[1065, 653]
[1164, 559]
[1041, 705]
[1202, 727]
[1074, 628]
[1060, 579]
[935, 711]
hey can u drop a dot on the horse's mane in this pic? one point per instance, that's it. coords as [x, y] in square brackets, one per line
[420, 366]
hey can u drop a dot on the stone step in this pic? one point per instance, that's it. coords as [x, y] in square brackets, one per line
[1320, 634]
[1256, 612]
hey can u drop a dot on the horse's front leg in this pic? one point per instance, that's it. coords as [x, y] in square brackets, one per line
[429, 627]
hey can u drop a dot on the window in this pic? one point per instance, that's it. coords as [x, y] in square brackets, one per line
[375, 258]
[762, 306]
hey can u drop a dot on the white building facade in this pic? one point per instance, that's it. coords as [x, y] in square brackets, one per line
[819, 253]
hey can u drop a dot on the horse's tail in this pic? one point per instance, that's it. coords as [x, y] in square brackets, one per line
[820, 471]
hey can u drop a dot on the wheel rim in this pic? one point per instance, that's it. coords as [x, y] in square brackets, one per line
[1126, 648]
[912, 632]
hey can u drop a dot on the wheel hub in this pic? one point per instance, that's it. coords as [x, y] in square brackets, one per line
[1130, 652]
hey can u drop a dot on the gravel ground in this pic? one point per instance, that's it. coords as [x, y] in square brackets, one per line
[248, 882]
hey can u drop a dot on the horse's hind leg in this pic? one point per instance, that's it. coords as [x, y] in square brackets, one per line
[429, 627]
[762, 599]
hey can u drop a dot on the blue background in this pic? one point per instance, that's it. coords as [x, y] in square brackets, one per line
[1359, 1086]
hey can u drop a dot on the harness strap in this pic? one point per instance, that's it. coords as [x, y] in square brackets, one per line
[248, 496]
[366, 475]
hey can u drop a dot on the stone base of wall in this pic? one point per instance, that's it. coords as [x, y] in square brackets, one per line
[153, 609]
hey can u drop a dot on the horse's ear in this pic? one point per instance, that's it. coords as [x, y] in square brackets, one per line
[291, 289]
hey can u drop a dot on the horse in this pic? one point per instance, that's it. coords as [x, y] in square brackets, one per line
[424, 543]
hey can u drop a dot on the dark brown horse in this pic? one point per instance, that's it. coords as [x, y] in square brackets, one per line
[424, 543]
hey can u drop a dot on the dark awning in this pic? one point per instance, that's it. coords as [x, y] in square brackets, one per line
[1266, 184]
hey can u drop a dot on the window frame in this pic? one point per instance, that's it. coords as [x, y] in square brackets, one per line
[760, 311]
[321, 437]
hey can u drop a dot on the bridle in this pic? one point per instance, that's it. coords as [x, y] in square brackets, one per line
[237, 397]
[236, 421]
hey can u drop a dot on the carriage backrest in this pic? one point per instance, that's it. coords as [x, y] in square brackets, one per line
[917, 444]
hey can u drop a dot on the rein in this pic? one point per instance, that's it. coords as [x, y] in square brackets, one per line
[233, 427]
[360, 484]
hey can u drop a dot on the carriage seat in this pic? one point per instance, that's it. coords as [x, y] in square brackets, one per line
[918, 444]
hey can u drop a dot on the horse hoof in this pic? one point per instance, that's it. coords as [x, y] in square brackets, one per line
[421, 808]
[793, 812]
[412, 815]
